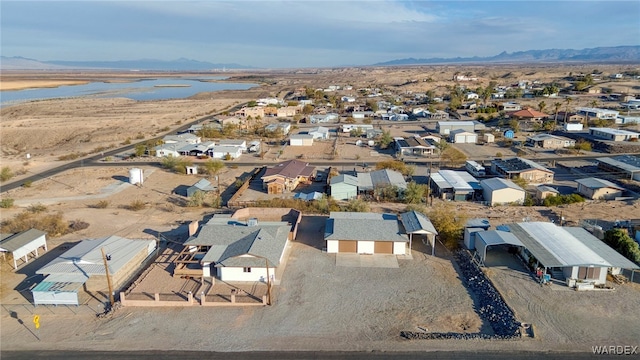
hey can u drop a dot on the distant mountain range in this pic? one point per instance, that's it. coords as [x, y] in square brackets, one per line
[599, 54]
[182, 64]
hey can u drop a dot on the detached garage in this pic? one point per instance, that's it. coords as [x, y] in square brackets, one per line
[301, 140]
[365, 233]
[461, 136]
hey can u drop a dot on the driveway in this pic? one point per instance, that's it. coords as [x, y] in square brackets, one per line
[367, 261]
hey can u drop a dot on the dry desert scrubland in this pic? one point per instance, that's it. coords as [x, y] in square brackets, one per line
[319, 305]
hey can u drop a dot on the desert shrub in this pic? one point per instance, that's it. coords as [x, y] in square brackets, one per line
[36, 208]
[356, 205]
[53, 224]
[6, 173]
[448, 223]
[102, 204]
[71, 156]
[178, 164]
[196, 199]
[562, 199]
[77, 225]
[396, 165]
[6, 203]
[27, 184]
[136, 205]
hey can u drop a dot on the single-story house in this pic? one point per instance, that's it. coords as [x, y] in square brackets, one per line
[220, 152]
[231, 120]
[196, 149]
[529, 114]
[497, 191]
[461, 136]
[548, 141]
[599, 189]
[509, 106]
[344, 187]
[413, 146]
[288, 111]
[242, 144]
[532, 172]
[171, 149]
[597, 113]
[319, 133]
[625, 119]
[365, 233]
[286, 176]
[235, 250]
[323, 118]
[22, 245]
[416, 223]
[285, 127]
[301, 140]
[346, 128]
[627, 164]
[182, 138]
[455, 185]
[613, 134]
[82, 266]
[203, 185]
[374, 180]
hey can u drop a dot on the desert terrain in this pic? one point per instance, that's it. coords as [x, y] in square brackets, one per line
[316, 297]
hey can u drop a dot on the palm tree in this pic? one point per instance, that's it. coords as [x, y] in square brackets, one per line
[542, 105]
[556, 105]
[567, 101]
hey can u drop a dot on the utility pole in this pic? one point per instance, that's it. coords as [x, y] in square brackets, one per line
[106, 268]
[266, 262]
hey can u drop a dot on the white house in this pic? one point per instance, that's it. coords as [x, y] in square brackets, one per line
[285, 127]
[471, 96]
[239, 250]
[573, 126]
[364, 233]
[242, 144]
[499, 191]
[319, 133]
[187, 138]
[220, 152]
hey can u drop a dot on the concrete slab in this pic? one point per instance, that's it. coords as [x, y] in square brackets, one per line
[373, 261]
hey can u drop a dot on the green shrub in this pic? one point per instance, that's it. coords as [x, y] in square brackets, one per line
[6, 203]
[6, 173]
[562, 199]
[27, 184]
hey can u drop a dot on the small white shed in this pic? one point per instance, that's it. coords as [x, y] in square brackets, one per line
[489, 138]
[23, 244]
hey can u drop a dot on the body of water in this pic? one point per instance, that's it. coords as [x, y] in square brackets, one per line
[146, 89]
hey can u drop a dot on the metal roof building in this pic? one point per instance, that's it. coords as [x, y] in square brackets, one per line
[627, 164]
[22, 244]
[417, 223]
[455, 185]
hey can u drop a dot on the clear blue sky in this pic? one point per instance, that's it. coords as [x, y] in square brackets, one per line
[306, 33]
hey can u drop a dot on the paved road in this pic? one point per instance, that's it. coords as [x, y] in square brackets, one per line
[286, 355]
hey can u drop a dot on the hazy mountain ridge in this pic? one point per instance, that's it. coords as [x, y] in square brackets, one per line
[616, 53]
[21, 63]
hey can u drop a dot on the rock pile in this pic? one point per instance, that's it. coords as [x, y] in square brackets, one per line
[492, 307]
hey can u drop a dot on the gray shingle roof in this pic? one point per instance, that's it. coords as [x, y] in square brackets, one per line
[290, 169]
[363, 226]
[344, 178]
[14, 242]
[229, 239]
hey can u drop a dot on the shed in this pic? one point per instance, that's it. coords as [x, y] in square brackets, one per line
[58, 289]
[301, 140]
[202, 185]
[21, 245]
[599, 189]
[498, 191]
[544, 191]
[344, 187]
[463, 137]
[488, 138]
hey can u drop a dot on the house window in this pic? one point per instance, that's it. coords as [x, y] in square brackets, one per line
[246, 269]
